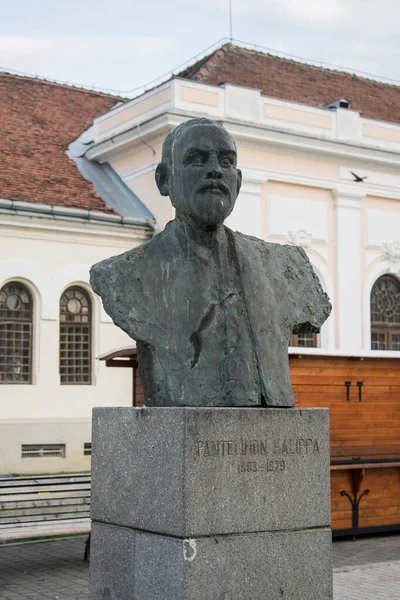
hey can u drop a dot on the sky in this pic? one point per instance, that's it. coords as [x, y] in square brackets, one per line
[123, 45]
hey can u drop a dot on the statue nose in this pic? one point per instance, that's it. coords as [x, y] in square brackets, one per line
[214, 169]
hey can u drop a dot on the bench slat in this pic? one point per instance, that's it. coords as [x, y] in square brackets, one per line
[43, 478]
[48, 476]
[45, 524]
[84, 511]
[46, 530]
[44, 510]
[39, 496]
[35, 503]
[49, 488]
[4, 484]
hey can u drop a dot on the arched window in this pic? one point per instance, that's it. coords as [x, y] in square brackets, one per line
[75, 337]
[385, 314]
[15, 334]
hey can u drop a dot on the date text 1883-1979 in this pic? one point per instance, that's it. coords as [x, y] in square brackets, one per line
[285, 447]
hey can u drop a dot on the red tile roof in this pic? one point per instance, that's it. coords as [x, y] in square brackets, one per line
[289, 80]
[38, 120]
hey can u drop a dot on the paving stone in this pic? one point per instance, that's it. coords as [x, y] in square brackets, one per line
[44, 571]
[365, 550]
[379, 582]
[49, 563]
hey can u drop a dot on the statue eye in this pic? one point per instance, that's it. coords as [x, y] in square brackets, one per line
[225, 162]
[197, 161]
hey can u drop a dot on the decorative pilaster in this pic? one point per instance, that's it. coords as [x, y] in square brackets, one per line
[348, 268]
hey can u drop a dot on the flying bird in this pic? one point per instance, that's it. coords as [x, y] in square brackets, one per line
[357, 178]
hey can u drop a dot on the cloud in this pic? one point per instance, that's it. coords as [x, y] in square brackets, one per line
[80, 59]
[314, 12]
[355, 14]
[14, 45]
[355, 34]
[358, 34]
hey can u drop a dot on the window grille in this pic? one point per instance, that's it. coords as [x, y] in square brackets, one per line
[385, 314]
[87, 448]
[303, 340]
[15, 334]
[43, 450]
[75, 338]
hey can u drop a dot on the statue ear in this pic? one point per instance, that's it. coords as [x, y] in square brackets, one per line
[162, 179]
[239, 181]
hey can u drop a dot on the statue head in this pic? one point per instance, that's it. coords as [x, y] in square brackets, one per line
[198, 172]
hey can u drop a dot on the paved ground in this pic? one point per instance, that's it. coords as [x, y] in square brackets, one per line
[44, 570]
[366, 569]
[374, 583]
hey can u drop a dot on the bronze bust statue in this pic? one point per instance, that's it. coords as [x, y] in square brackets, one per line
[211, 310]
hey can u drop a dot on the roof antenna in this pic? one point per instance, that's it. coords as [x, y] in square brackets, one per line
[230, 21]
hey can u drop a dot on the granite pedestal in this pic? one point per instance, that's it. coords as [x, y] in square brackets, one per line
[210, 504]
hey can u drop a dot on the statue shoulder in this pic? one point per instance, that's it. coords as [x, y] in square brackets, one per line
[105, 272]
[250, 243]
[126, 285]
[131, 266]
[243, 238]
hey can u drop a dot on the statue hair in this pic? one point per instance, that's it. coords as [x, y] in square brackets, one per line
[172, 137]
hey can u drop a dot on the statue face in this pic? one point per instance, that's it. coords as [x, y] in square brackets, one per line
[205, 181]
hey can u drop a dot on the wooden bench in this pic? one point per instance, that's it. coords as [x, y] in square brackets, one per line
[370, 471]
[45, 506]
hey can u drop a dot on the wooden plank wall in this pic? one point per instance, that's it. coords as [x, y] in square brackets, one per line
[138, 390]
[360, 430]
[366, 429]
[381, 507]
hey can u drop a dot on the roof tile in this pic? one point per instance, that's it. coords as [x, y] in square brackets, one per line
[298, 82]
[38, 121]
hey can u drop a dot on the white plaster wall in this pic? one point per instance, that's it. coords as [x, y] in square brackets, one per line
[48, 257]
[381, 226]
[74, 433]
[297, 214]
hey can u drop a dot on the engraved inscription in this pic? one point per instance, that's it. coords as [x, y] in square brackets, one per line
[270, 466]
[282, 447]
[296, 446]
[218, 448]
[257, 455]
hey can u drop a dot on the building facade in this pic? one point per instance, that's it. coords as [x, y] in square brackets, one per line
[320, 156]
[54, 224]
[322, 177]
